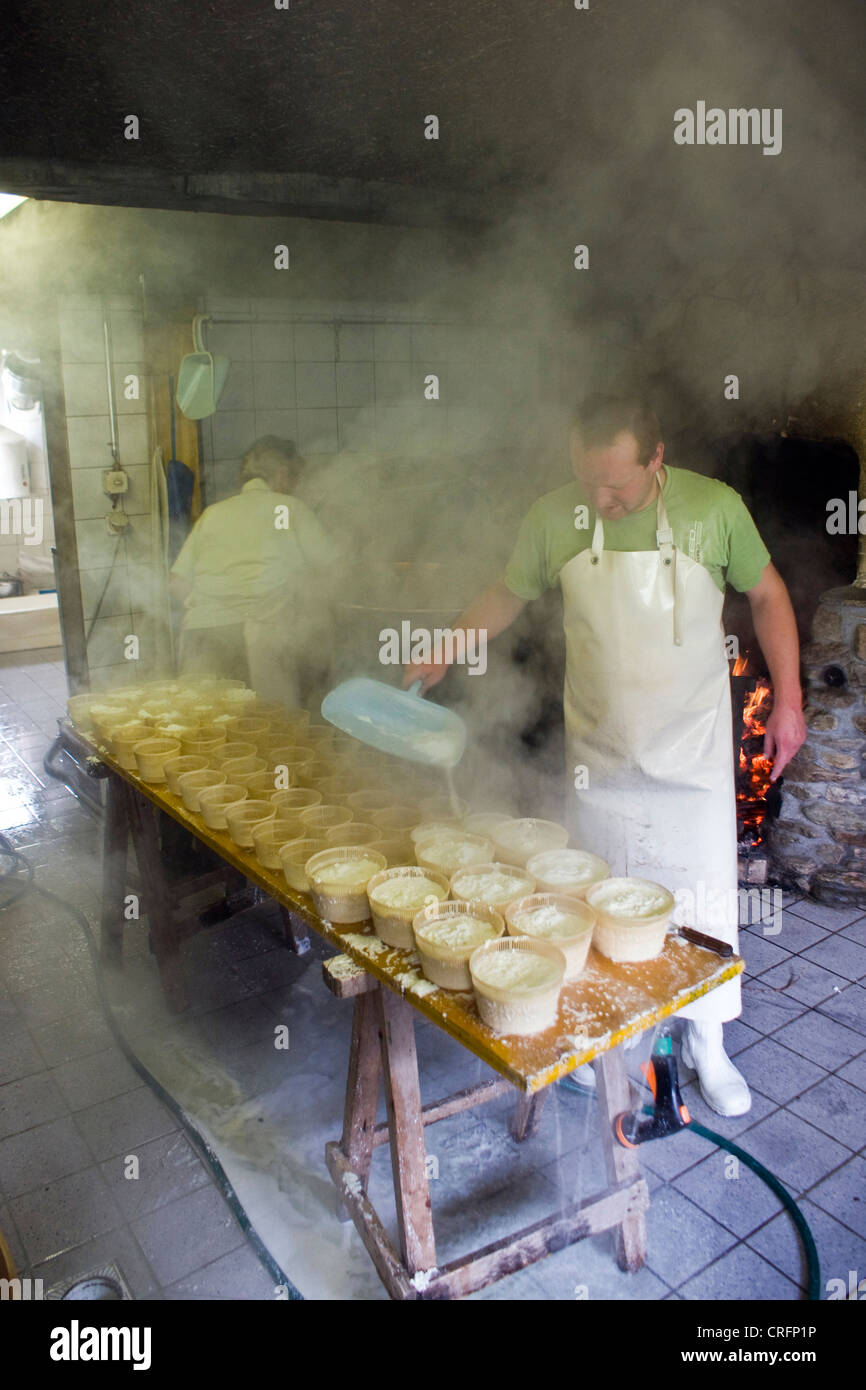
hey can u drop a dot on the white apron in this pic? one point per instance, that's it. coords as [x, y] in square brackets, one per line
[648, 715]
[272, 658]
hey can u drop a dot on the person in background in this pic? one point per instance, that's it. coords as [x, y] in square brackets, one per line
[253, 576]
[642, 553]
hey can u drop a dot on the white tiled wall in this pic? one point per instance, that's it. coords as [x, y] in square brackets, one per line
[344, 379]
[125, 567]
[353, 382]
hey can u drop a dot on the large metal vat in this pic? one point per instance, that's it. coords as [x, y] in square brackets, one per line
[382, 595]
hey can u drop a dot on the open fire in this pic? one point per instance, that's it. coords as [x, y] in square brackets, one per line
[753, 768]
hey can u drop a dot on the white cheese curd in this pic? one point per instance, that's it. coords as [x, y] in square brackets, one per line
[451, 855]
[435, 830]
[422, 988]
[631, 900]
[523, 833]
[565, 866]
[529, 836]
[407, 892]
[459, 931]
[494, 886]
[550, 922]
[346, 873]
[515, 970]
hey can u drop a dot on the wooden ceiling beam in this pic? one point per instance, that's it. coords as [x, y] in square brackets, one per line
[254, 194]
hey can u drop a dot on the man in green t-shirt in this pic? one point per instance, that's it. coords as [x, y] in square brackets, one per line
[642, 553]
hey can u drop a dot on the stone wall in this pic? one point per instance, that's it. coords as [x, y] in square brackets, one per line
[818, 844]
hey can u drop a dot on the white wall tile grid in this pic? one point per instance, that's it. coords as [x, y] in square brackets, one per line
[121, 570]
[350, 378]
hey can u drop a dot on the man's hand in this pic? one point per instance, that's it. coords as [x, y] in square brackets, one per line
[493, 611]
[785, 734]
[428, 675]
[776, 631]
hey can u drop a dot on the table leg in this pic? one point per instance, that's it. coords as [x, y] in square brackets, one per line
[614, 1096]
[157, 904]
[362, 1090]
[238, 895]
[527, 1115]
[406, 1131]
[295, 932]
[114, 849]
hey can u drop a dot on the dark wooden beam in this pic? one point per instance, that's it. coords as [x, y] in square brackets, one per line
[257, 194]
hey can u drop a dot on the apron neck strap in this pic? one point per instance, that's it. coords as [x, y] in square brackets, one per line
[664, 533]
[668, 558]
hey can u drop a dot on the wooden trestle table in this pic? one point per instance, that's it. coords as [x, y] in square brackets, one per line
[608, 1004]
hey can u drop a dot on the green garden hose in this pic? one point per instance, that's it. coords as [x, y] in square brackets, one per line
[813, 1291]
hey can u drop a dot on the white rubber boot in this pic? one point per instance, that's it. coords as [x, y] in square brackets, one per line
[584, 1076]
[722, 1086]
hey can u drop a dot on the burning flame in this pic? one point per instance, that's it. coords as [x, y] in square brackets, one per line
[754, 768]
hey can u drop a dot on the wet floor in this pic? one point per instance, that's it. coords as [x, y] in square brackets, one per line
[74, 1112]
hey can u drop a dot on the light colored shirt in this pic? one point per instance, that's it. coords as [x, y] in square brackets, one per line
[241, 561]
[710, 522]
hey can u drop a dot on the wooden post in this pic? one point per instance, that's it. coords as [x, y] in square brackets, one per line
[860, 444]
[115, 842]
[166, 946]
[295, 933]
[406, 1132]
[527, 1115]
[614, 1097]
[362, 1089]
[65, 549]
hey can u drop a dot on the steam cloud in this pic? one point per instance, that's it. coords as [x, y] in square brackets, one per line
[702, 262]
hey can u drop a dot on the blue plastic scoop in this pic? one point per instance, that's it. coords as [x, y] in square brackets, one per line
[396, 721]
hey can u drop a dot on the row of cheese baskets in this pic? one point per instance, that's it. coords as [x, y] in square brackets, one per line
[492, 903]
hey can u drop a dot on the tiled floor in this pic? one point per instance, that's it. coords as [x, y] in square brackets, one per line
[72, 1109]
[73, 1112]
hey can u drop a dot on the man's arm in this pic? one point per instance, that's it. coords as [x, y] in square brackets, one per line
[776, 631]
[492, 611]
